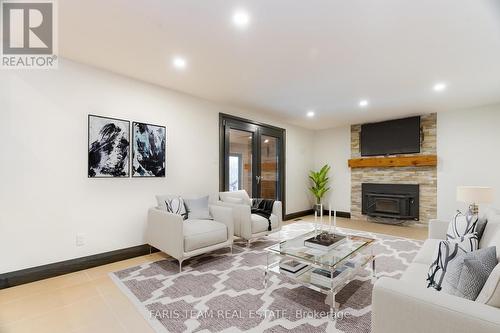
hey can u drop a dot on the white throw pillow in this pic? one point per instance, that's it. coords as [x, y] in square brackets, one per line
[490, 294]
[172, 204]
[161, 199]
[446, 252]
[462, 225]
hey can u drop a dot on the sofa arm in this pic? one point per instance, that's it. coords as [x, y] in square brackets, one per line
[242, 218]
[165, 232]
[438, 229]
[398, 306]
[224, 215]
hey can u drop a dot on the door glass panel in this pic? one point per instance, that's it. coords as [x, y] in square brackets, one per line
[235, 172]
[269, 175]
[240, 161]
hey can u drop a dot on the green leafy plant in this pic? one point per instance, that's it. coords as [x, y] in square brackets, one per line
[320, 182]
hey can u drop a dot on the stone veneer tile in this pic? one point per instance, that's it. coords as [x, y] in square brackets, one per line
[426, 177]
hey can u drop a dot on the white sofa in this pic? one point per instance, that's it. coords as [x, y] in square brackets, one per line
[247, 225]
[406, 305]
[183, 239]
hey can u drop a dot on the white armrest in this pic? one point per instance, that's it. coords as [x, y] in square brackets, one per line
[438, 229]
[165, 232]
[242, 219]
[224, 215]
[398, 306]
[278, 211]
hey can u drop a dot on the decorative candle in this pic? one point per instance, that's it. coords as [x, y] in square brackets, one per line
[330, 217]
[334, 221]
[316, 220]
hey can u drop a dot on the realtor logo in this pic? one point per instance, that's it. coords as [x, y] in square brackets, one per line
[28, 34]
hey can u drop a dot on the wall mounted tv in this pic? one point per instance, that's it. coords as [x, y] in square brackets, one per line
[401, 136]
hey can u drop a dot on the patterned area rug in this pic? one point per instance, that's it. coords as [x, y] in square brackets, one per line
[220, 292]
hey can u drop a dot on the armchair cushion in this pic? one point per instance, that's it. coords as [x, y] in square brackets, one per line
[260, 223]
[203, 233]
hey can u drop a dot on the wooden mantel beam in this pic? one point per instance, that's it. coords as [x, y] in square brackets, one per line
[398, 161]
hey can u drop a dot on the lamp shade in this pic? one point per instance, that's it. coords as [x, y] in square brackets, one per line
[474, 194]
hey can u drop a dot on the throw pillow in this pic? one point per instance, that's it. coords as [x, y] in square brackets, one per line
[161, 199]
[467, 274]
[490, 294]
[198, 208]
[177, 206]
[481, 225]
[461, 225]
[447, 251]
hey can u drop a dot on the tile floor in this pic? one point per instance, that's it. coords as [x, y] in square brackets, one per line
[88, 301]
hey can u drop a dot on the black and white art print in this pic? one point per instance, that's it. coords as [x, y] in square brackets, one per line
[149, 144]
[109, 147]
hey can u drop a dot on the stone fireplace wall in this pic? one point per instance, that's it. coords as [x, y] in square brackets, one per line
[426, 177]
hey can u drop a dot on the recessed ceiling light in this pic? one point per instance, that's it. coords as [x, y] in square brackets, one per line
[440, 86]
[266, 141]
[310, 114]
[179, 62]
[363, 103]
[241, 18]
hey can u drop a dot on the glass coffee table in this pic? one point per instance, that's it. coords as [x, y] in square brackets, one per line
[326, 271]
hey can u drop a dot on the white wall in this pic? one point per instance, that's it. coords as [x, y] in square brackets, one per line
[468, 149]
[333, 147]
[468, 146]
[45, 195]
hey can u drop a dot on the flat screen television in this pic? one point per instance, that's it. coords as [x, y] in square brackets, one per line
[401, 136]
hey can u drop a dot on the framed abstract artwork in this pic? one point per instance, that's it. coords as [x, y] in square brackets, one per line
[108, 147]
[149, 144]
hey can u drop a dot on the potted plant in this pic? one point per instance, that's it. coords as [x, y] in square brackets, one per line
[319, 186]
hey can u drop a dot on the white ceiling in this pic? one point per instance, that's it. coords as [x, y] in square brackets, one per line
[297, 55]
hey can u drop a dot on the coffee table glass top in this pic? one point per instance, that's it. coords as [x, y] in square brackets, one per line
[327, 258]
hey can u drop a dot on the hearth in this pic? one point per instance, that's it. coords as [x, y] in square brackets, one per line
[396, 201]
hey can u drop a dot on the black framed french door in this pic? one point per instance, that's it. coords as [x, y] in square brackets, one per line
[252, 158]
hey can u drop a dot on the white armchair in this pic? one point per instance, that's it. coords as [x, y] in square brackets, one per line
[183, 239]
[247, 225]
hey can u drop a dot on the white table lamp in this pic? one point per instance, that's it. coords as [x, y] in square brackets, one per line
[474, 195]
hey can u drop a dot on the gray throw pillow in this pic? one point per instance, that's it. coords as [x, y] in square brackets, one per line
[481, 225]
[198, 208]
[467, 274]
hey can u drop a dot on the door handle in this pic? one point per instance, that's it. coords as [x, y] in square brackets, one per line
[258, 179]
